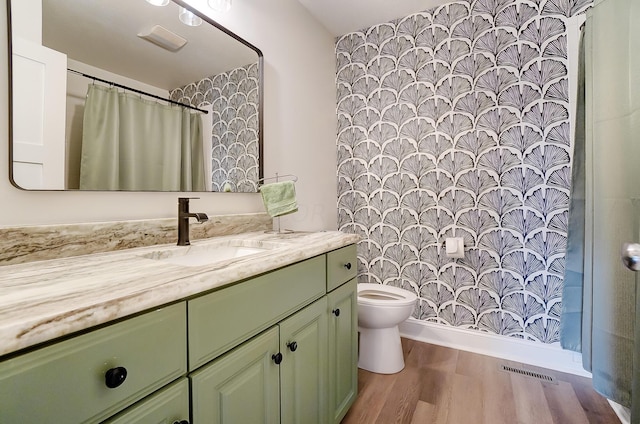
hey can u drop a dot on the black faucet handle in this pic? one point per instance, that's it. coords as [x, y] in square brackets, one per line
[183, 203]
[183, 219]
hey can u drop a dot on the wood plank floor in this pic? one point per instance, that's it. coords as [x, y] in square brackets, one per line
[440, 385]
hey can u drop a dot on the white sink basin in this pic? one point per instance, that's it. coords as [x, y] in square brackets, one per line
[209, 252]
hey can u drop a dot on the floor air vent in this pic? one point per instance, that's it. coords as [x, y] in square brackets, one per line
[527, 373]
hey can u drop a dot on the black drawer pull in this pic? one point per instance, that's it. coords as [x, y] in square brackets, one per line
[293, 346]
[181, 422]
[114, 377]
[336, 312]
[347, 265]
[277, 358]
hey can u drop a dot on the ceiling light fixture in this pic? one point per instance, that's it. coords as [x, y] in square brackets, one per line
[158, 2]
[187, 17]
[220, 5]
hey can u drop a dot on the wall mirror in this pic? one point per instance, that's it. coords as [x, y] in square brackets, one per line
[128, 95]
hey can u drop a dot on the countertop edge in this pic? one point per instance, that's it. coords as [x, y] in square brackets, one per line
[49, 322]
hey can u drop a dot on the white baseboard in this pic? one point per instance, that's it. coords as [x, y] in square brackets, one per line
[624, 414]
[537, 354]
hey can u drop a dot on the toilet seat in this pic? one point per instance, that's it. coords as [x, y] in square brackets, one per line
[382, 295]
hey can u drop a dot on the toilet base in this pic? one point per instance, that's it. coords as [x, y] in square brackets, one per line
[380, 350]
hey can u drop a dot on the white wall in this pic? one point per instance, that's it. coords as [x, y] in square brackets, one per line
[300, 101]
[299, 131]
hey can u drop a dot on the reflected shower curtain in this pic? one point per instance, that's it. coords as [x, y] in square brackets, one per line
[612, 190]
[129, 143]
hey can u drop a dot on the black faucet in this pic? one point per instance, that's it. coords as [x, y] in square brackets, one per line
[183, 219]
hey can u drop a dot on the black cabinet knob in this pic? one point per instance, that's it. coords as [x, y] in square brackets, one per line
[336, 312]
[114, 377]
[277, 358]
[292, 346]
[347, 265]
[181, 422]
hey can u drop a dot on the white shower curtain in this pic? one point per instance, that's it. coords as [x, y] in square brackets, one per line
[129, 143]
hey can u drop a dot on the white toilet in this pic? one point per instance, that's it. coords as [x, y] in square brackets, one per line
[381, 309]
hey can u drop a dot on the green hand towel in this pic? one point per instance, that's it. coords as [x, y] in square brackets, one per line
[279, 198]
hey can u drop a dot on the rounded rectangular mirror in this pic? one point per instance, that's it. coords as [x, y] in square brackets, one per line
[127, 95]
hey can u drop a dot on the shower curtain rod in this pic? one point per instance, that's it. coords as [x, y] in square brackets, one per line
[136, 91]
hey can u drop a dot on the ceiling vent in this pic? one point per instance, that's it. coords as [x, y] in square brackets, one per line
[164, 38]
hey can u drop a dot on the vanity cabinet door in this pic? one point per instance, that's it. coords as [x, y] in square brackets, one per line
[303, 372]
[242, 386]
[343, 349]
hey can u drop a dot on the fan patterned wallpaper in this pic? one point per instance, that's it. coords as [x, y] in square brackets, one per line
[455, 122]
[234, 96]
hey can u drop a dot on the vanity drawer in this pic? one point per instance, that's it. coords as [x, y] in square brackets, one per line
[223, 319]
[169, 405]
[342, 266]
[66, 382]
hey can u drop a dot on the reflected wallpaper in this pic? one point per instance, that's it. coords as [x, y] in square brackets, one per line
[234, 99]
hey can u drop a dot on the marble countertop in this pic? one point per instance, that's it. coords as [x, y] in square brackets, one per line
[41, 301]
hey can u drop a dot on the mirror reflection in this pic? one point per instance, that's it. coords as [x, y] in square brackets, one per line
[127, 95]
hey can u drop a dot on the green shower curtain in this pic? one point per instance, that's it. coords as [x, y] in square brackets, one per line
[612, 194]
[129, 143]
[572, 289]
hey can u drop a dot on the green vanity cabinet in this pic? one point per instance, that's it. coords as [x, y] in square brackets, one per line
[315, 381]
[343, 350]
[225, 318]
[303, 371]
[342, 300]
[280, 347]
[67, 382]
[167, 406]
[279, 376]
[242, 386]
[342, 266]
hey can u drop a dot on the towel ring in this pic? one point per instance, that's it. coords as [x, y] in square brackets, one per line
[277, 177]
